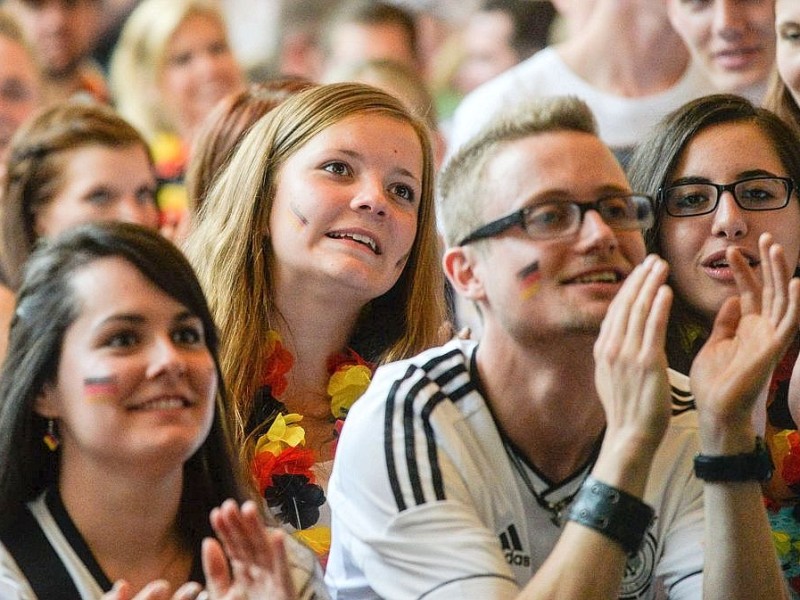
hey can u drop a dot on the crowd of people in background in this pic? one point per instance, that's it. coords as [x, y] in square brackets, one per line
[399, 299]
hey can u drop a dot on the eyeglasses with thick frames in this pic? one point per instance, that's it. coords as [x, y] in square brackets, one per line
[548, 220]
[752, 193]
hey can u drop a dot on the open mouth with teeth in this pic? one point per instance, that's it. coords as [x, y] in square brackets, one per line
[599, 277]
[357, 237]
[171, 403]
[724, 264]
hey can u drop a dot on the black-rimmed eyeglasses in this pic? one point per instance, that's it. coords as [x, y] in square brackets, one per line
[702, 198]
[548, 220]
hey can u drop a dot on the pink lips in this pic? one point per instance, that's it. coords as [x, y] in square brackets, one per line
[164, 401]
[737, 59]
[717, 267]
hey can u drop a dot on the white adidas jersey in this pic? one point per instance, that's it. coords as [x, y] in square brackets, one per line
[430, 502]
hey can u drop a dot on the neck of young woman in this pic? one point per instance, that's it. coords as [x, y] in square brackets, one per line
[313, 328]
[129, 522]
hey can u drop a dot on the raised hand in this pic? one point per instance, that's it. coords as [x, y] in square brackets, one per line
[630, 358]
[259, 563]
[750, 334]
[260, 566]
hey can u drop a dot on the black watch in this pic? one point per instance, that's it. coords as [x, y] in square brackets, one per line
[750, 466]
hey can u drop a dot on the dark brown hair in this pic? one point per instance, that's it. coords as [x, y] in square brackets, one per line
[46, 307]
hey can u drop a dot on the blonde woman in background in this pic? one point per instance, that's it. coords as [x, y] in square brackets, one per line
[71, 163]
[171, 66]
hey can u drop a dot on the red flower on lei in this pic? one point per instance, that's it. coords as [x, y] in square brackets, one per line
[279, 362]
[290, 461]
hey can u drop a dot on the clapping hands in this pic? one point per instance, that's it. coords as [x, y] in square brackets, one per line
[259, 567]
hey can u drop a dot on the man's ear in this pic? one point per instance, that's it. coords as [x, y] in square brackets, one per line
[459, 266]
[45, 404]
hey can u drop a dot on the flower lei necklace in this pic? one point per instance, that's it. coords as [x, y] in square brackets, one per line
[282, 466]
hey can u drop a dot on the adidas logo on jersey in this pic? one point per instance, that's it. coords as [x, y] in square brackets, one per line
[512, 548]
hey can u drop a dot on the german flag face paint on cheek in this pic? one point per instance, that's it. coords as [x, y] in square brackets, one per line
[529, 280]
[100, 389]
[302, 221]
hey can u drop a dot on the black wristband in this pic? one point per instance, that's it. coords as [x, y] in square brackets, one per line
[749, 466]
[614, 513]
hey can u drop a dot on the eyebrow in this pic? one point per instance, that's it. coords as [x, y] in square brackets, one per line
[400, 170]
[738, 176]
[558, 193]
[138, 319]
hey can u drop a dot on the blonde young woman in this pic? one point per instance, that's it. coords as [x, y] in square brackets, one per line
[318, 251]
[171, 66]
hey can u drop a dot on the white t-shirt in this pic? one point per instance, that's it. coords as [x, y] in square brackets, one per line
[84, 571]
[430, 501]
[622, 122]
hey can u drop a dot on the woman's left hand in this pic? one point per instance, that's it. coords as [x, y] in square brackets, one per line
[750, 334]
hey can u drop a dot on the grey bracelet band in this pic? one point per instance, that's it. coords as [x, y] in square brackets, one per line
[614, 513]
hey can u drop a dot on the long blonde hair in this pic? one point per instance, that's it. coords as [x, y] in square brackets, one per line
[231, 253]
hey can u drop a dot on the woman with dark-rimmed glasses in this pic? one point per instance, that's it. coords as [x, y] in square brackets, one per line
[724, 173]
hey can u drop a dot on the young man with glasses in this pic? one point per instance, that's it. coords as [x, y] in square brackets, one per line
[548, 460]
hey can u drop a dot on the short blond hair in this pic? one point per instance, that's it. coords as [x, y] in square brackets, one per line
[462, 189]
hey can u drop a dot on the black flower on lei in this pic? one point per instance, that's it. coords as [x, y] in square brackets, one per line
[298, 499]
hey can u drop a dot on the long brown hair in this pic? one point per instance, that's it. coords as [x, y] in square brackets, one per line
[653, 166]
[230, 252]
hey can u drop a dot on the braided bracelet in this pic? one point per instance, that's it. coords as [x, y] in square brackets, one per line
[612, 512]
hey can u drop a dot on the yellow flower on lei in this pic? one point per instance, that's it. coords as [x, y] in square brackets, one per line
[346, 386]
[783, 542]
[284, 432]
[318, 538]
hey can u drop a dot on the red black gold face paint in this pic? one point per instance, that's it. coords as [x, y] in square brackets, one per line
[529, 280]
[100, 389]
